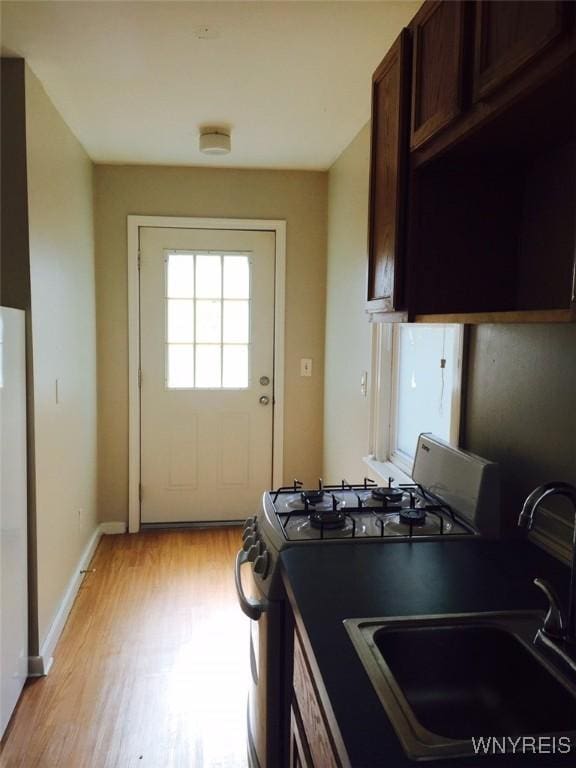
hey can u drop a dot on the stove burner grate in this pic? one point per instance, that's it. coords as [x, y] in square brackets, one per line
[324, 511]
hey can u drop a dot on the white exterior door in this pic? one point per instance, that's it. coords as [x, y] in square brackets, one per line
[206, 356]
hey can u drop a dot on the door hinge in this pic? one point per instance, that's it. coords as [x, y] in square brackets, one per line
[140, 492]
[139, 378]
[139, 258]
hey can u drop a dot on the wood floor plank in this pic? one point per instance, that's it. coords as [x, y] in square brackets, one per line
[152, 668]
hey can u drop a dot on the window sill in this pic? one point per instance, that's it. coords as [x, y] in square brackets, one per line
[385, 470]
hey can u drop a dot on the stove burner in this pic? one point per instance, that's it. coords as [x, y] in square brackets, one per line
[412, 516]
[312, 497]
[387, 494]
[330, 518]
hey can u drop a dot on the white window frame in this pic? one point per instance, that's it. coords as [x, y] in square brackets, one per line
[384, 457]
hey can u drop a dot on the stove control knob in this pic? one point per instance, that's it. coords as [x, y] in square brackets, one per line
[249, 542]
[261, 564]
[254, 552]
[249, 524]
[247, 532]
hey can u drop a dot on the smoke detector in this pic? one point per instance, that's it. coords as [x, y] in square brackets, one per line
[214, 141]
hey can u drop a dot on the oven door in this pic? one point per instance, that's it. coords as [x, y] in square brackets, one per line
[267, 691]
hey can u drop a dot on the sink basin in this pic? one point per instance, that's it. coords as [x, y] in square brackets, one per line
[444, 680]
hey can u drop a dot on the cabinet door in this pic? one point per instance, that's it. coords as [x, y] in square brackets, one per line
[299, 750]
[390, 104]
[511, 33]
[314, 727]
[437, 70]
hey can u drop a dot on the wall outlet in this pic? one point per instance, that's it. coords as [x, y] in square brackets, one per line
[306, 366]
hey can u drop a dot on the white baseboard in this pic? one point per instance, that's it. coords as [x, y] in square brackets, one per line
[113, 528]
[39, 666]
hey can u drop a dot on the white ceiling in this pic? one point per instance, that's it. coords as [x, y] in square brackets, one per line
[136, 80]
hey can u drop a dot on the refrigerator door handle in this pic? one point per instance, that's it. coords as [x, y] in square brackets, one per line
[252, 608]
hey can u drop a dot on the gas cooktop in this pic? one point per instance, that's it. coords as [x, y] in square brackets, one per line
[364, 510]
[453, 493]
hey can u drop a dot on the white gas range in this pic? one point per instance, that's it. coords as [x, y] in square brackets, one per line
[454, 495]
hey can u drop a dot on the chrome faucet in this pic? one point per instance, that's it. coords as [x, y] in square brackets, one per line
[556, 629]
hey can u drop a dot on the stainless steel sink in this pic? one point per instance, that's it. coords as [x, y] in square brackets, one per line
[445, 680]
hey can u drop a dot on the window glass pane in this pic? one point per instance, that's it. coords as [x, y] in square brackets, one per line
[208, 277]
[235, 372]
[180, 365]
[208, 365]
[180, 276]
[425, 388]
[236, 322]
[198, 322]
[236, 277]
[180, 320]
[208, 320]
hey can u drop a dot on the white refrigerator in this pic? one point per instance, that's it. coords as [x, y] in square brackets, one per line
[13, 513]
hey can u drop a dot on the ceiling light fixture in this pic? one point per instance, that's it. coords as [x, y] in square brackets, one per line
[214, 141]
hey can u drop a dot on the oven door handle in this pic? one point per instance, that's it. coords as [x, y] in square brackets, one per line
[252, 608]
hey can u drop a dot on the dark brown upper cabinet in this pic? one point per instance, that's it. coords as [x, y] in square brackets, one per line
[486, 231]
[439, 32]
[389, 151]
[509, 34]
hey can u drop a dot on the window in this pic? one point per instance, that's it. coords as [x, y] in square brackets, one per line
[207, 321]
[416, 385]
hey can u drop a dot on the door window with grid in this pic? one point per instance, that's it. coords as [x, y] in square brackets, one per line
[207, 321]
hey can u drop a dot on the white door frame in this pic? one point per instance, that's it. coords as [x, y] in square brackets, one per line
[134, 224]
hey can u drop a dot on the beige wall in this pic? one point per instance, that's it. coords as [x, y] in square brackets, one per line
[348, 332]
[64, 347]
[298, 197]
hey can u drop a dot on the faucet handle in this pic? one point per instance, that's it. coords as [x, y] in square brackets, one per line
[554, 622]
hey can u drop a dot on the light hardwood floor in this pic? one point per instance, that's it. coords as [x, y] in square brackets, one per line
[152, 668]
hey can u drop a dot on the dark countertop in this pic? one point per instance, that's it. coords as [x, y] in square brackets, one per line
[327, 583]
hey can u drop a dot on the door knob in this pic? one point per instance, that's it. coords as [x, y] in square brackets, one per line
[264, 400]
[264, 380]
